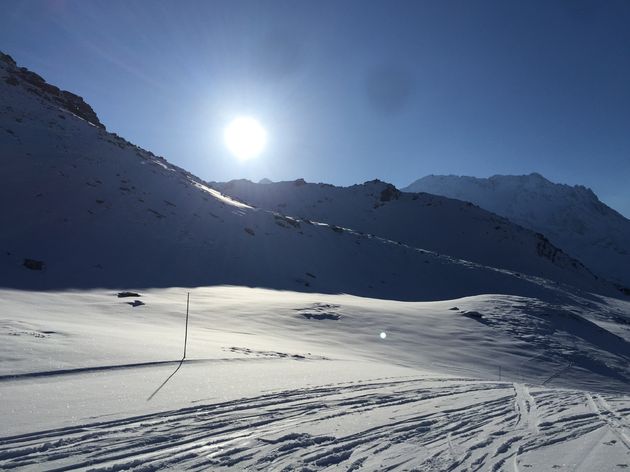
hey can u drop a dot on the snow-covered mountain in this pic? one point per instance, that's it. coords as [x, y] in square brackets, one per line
[572, 217]
[425, 221]
[82, 207]
[517, 365]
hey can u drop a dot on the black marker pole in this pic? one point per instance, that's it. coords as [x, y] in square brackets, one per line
[186, 332]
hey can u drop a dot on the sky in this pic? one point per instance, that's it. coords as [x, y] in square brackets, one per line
[349, 91]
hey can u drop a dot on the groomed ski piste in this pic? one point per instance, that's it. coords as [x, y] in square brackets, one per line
[287, 381]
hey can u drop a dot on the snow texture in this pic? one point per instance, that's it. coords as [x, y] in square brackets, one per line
[264, 388]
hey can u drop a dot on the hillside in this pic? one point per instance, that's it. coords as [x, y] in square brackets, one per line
[430, 222]
[96, 211]
[85, 208]
[572, 217]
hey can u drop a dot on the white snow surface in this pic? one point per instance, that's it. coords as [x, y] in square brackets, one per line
[293, 381]
[572, 217]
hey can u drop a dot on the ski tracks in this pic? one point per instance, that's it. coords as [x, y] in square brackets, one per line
[615, 421]
[504, 444]
[387, 424]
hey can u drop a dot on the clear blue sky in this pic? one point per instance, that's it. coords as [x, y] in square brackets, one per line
[350, 91]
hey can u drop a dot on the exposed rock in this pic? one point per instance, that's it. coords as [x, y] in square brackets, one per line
[67, 100]
[320, 311]
[390, 193]
[281, 220]
[34, 264]
[624, 290]
[8, 59]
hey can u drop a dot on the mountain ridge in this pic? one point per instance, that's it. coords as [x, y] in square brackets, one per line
[85, 208]
[97, 211]
[439, 224]
[572, 217]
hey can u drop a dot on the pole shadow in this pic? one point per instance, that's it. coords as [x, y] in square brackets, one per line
[150, 397]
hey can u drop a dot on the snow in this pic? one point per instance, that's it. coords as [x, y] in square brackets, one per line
[265, 387]
[98, 211]
[367, 331]
[429, 222]
[572, 217]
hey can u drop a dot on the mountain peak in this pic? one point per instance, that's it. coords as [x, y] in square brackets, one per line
[35, 84]
[537, 177]
[572, 217]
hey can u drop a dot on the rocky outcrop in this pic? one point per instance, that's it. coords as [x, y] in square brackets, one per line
[390, 193]
[37, 85]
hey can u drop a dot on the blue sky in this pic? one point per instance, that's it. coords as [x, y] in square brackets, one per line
[351, 91]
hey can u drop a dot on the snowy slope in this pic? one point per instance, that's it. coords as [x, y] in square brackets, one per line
[424, 221]
[277, 380]
[98, 211]
[571, 217]
[502, 370]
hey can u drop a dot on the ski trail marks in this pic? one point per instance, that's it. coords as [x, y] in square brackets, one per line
[614, 420]
[386, 424]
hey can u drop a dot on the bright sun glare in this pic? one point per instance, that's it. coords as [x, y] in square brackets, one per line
[245, 137]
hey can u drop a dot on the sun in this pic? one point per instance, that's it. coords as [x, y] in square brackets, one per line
[245, 137]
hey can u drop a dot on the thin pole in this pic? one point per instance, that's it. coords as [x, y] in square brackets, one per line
[186, 332]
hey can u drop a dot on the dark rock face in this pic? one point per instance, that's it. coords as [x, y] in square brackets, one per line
[624, 290]
[546, 249]
[8, 59]
[136, 303]
[390, 193]
[283, 221]
[33, 264]
[37, 85]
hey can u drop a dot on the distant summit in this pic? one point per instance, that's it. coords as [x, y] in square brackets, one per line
[572, 217]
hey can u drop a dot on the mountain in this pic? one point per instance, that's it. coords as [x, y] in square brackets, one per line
[439, 363]
[572, 217]
[82, 208]
[430, 222]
